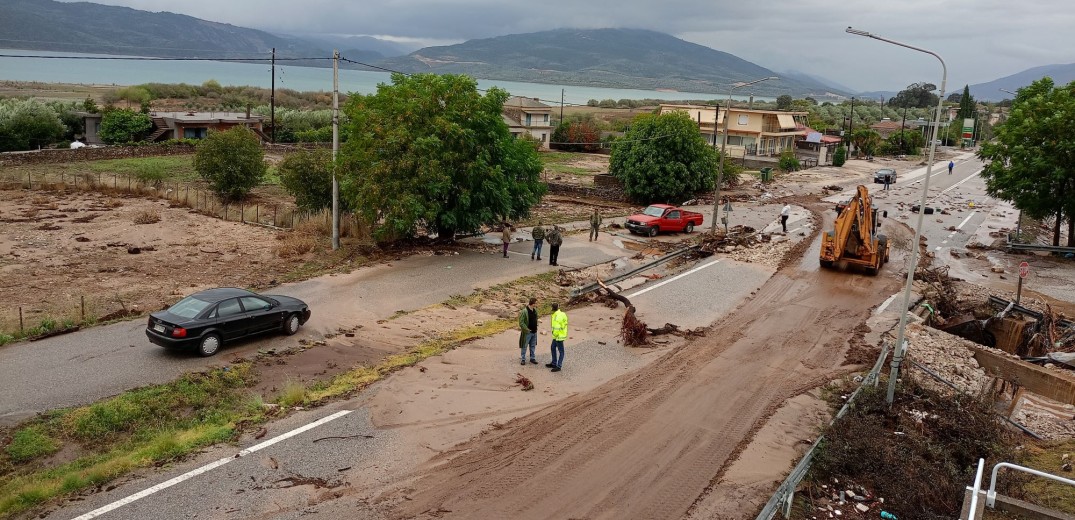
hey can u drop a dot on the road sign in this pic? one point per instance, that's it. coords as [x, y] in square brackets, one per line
[727, 207]
[1024, 270]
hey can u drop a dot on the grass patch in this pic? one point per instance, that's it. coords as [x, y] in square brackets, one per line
[1049, 457]
[149, 170]
[139, 428]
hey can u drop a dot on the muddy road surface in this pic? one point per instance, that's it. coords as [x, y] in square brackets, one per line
[649, 443]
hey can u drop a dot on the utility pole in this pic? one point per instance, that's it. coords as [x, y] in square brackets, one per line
[561, 105]
[335, 148]
[272, 98]
[850, 125]
[716, 119]
[903, 129]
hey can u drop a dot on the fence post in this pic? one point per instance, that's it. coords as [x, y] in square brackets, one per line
[257, 213]
[274, 208]
[29, 182]
[83, 298]
[115, 181]
[98, 179]
[20, 320]
[225, 212]
[242, 212]
[186, 195]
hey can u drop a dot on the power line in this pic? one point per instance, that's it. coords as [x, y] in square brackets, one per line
[118, 46]
[147, 58]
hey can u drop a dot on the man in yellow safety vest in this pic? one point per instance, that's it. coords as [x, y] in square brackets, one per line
[559, 334]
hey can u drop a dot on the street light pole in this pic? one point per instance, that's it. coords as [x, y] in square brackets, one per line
[724, 146]
[901, 347]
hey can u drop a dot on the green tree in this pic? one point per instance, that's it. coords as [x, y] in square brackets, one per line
[839, 157]
[866, 140]
[26, 124]
[916, 95]
[1031, 159]
[784, 102]
[908, 142]
[124, 126]
[967, 106]
[429, 151]
[663, 158]
[232, 161]
[307, 176]
[788, 161]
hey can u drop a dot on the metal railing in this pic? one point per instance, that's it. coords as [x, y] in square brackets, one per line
[991, 496]
[976, 490]
[1018, 246]
[579, 291]
[785, 494]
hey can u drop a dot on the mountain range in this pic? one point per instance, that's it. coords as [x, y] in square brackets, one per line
[618, 58]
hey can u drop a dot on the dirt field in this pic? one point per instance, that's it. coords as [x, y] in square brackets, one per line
[59, 246]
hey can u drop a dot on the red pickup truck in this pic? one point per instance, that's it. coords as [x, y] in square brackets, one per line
[663, 217]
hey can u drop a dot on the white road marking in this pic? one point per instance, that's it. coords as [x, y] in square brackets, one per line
[938, 248]
[672, 279]
[796, 230]
[943, 242]
[969, 177]
[886, 304]
[961, 224]
[209, 467]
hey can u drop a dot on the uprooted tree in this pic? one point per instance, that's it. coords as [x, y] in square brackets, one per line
[1031, 160]
[429, 151]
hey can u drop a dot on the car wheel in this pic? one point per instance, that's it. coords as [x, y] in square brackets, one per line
[826, 264]
[689, 229]
[653, 231]
[210, 345]
[291, 324]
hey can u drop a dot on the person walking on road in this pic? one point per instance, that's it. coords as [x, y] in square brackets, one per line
[528, 324]
[785, 212]
[556, 238]
[951, 164]
[595, 224]
[888, 180]
[539, 235]
[559, 334]
[505, 238]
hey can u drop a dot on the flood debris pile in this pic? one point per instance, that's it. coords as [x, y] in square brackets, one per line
[948, 356]
[745, 244]
[912, 460]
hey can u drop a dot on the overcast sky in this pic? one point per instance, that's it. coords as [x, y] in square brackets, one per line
[980, 40]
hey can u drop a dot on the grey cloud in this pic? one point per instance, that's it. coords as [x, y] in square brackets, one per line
[980, 39]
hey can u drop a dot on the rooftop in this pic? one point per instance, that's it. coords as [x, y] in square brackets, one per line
[207, 116]
[524, 102]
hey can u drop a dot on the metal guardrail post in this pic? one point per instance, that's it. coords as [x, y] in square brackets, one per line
[991, 496]
[579, 291]
[977, 489]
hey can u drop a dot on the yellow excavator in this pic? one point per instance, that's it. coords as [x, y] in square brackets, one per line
[854, 238]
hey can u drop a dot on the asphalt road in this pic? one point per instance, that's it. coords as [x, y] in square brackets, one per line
[88, 365]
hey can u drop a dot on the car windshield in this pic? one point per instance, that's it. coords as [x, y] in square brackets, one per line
[653, 211]
[188, 307]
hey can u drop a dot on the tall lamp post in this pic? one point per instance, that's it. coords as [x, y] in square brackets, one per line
[724, 146]
[901, 346]
[1018, 223]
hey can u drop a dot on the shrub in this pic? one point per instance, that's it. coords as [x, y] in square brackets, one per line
[663, 158]
[147, 216]
[840, 156]
[26, 124]
[307, 176]
[788, 161]
[232, 161]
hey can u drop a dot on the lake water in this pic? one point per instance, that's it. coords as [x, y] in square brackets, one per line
[125, 72]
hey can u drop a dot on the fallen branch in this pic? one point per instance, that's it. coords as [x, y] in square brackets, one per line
[632, 330]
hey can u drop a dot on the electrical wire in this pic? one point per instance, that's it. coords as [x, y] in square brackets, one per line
[148, 58]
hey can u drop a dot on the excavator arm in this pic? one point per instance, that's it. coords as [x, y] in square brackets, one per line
[852, 238]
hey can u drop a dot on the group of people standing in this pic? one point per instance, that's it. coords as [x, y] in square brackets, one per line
[554, 236]
[528, 331]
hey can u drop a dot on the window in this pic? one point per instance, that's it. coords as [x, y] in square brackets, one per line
[188, 307]
[251, 303]
[672, 215]
[744, 119]
[527, 119]
[194, 133]
[228, 308]
[546, 118]
[543, 138]
[735, 140]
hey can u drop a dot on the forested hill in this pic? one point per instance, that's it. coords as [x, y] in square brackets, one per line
[621, 58]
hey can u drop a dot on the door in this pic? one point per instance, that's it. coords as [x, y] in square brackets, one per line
[259, 314]
[232, 322]
[673, 221]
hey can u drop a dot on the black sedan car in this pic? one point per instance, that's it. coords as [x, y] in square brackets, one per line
[208, 319]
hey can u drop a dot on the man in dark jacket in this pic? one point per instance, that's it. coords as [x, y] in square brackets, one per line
[556, 238]
[528, 324]
[539, 235]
